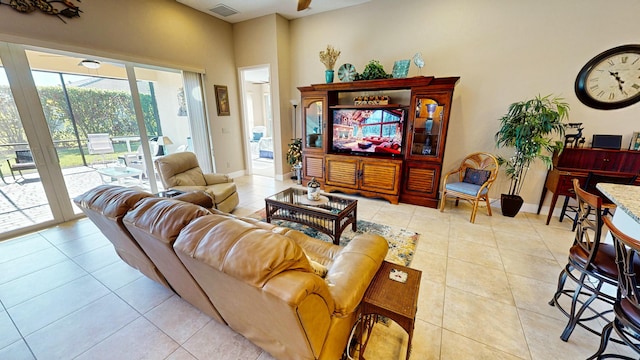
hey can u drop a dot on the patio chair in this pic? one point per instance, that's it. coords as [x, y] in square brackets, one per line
[23, 161]
[100, 144]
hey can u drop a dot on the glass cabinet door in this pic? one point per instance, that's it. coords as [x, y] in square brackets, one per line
[313, 136]
[427, 127]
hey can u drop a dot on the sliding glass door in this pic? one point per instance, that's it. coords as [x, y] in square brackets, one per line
[82, 104]
[22, 197]
[84, 122]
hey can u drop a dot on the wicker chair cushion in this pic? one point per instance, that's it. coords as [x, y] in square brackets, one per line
[466, 188]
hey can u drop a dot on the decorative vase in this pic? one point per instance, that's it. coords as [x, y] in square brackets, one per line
[313, 190]
[297, 168]
[428, 125]
[328, 75]
[510, 204]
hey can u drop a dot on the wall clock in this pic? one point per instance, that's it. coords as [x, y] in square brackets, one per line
[347, 72]
[611, 80]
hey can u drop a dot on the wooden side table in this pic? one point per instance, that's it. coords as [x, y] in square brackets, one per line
[395, 300]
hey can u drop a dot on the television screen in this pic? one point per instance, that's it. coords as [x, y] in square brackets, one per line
[368, 131]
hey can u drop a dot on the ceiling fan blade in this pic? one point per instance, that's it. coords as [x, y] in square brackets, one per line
[303, 4]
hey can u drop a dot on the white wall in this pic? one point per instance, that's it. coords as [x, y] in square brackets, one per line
[174, 126]
[503, 50]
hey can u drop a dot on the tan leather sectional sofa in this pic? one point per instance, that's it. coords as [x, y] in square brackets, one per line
[257, 278]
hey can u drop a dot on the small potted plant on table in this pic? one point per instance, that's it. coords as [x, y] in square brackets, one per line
[528, 127]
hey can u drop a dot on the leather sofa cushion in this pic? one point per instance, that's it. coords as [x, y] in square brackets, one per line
[110, 201]
[240, 249]
[163, 216]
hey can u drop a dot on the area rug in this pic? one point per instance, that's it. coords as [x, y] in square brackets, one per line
[402, 243]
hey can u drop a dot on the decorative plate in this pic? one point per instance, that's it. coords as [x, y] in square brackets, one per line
[401, 69]
[347, 72]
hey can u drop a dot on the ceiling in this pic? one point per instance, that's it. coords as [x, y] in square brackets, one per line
[250, 9]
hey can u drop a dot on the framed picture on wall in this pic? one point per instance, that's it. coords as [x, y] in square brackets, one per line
[635, 141]
[222, 100]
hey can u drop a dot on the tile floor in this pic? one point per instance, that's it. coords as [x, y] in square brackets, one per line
[65, 294]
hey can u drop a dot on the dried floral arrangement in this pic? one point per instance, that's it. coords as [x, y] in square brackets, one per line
[328, 57]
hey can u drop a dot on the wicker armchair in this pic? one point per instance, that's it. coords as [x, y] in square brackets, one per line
[471, 181]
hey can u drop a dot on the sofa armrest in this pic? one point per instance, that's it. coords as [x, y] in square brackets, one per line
[293, 287]
[352, 271]
[308, 299]
[212, 179]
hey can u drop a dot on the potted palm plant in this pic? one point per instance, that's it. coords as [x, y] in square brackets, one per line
[529, 127]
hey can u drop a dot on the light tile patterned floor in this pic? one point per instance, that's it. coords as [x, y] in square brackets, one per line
[65, 294]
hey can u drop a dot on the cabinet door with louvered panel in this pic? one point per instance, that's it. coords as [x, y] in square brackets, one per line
[342, 171]
[421, 180]
[421, 183]
[381, 176]
[313, 166]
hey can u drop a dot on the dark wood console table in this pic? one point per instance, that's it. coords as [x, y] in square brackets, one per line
[578, 162]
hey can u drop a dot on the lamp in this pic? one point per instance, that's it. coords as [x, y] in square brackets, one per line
[162, 141]
[90, 64]
[294, 102]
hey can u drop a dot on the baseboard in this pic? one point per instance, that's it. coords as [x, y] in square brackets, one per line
[236, 174]
[530, 208]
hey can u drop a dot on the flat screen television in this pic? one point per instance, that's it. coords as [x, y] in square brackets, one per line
[369, 131]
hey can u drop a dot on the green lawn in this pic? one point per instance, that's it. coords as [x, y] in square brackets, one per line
[70, 157]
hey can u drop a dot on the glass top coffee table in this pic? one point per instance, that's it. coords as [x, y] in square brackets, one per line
[119, 173]
[330, 215]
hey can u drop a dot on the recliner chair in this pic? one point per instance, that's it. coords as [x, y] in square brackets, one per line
[181, 171]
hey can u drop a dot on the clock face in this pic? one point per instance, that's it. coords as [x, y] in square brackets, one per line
[611, 80]
[347, 72]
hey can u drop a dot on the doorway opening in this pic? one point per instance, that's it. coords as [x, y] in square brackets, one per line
[258, 120]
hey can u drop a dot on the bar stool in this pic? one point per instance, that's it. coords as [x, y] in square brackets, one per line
[591, 266]
[627, 303]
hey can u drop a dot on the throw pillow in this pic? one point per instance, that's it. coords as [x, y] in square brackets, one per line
[476, 176]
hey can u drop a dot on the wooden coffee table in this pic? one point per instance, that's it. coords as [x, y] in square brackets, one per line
[330, 215]
[396, 300]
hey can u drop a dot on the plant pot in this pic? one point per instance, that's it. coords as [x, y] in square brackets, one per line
[510, 204]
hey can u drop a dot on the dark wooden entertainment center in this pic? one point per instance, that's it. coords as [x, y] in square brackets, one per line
[378, 138]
